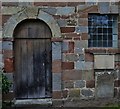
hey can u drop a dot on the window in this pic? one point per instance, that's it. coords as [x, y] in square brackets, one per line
[102, 30]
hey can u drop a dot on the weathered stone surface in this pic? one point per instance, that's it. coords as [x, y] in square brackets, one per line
[87, 93]
[74, 93]
[65, 45]
[68, 84]
[56, 50]
[25, 4]
[114, 9]
[104, 7]
[104, 84]
[83, 22]
[82, 65]
[65, 10]
[79, 84]
[50, 10]
[80, 46]
[47, 18]
[56, 81]
[7, 45]
[62, 23]
[0, 34]
[10, 10]
[117, 57]
[78, 75]
[70, 57]
[104, 61]
[1, 45]
[81, 29]
[88, 75]
[9, 27]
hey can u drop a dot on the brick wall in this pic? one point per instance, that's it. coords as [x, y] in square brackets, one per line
[75, 68]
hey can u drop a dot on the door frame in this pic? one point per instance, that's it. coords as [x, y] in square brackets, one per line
[14, 20]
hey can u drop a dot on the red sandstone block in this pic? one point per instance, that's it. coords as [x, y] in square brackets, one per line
[93, 9]
[8, 65]
[90, 84]
[67, 65]
[65, 93]
[67, 29]
[89, 57]
[5, 18]
[10, 3]
[56, 66]
[83, 15]
[55, 4]
[117, 83]
[71, 47]
[72, 75]
[56, 95]
[117, 65]
[8, 53]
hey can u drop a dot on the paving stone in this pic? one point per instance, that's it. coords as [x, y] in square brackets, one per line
[56, 81]
[104, 7]
[87, 93]
[56, 50]
[79, 84]
[65, 10]
[82, 65]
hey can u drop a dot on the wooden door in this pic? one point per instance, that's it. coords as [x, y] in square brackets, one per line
[32, 51]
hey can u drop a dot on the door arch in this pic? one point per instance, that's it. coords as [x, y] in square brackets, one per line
[33, 60]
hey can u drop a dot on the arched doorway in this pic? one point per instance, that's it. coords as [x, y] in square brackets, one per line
[33, 60]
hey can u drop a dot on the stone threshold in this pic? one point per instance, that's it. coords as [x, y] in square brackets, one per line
[45, 102]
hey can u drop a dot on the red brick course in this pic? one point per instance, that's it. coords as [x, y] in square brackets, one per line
[59, 4]
[72, 75]
[67, 65]
[64, 93]
[56, 95]
[117, 83]
[90, 84]
[67, 29]
[8, 67]
[5, 18]
[56, 66]
[89, 57]
[71, 47]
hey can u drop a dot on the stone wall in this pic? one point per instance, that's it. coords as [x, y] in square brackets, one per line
[73, 63]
